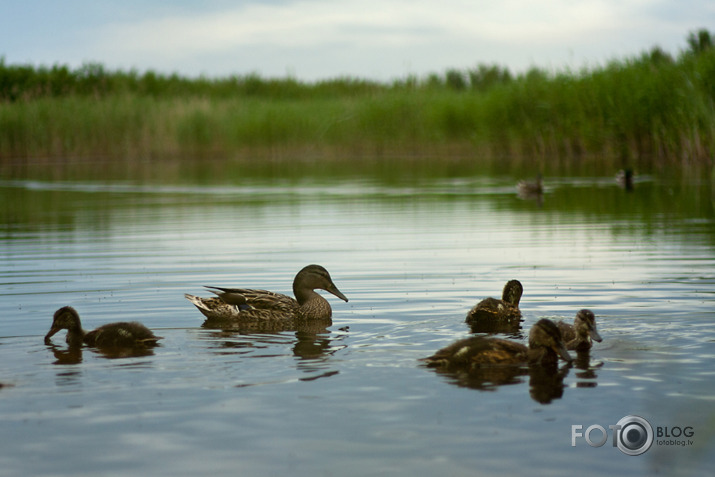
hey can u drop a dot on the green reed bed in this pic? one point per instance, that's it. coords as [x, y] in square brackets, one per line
[647, 111]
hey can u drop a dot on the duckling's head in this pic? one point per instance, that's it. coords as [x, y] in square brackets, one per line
[66, 318]
[545, 334]
[585, 325]
[512, 292]
[312, 277]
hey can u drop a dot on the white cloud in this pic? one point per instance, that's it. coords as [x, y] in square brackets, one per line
[319, 38]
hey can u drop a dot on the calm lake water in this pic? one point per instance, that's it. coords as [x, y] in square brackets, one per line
[412, 258]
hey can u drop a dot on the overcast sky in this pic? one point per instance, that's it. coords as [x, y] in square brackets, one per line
[320, 39]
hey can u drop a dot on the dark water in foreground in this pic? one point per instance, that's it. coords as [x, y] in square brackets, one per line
[354, 400]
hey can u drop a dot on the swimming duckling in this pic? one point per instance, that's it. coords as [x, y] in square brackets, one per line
[121, 334]
[262, 307]
[579, 335]
[491, 315]
[545, 348]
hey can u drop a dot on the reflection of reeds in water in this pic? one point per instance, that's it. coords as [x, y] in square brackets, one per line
[651, 108]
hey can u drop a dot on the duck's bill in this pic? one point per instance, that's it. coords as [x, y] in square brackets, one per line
[563, 352]
[334, 290]
[595, 336]
[50, 334]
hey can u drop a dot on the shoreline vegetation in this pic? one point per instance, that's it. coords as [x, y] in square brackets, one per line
[649, 112]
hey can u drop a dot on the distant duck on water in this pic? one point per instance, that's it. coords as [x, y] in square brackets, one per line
[111, 335]
[624, 178]
[530, 189]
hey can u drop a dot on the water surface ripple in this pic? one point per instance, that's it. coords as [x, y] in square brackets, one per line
[353, 400]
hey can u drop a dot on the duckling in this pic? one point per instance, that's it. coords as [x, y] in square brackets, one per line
[579, 335]
[265, 308]
[545, 348]
[121, 334]
[491, 315]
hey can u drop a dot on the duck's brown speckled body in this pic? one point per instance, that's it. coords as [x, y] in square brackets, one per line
[262, 309]
[111, 335]
[579, 335]
[545, 348]
[493, 315]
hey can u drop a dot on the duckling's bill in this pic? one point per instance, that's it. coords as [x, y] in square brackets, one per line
[561, 350]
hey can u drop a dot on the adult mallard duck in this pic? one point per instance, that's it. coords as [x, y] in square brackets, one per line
[498, 316]
[579, 335]
[265, 309]
[111, 335]
[545, 348]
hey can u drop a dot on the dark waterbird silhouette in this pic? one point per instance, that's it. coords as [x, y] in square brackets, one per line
[624, 178]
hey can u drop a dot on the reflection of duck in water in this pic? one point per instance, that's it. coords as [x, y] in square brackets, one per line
[112, 335]
[311, 350]
[545, 347]
[73, 354]
[585, 370]
[70, 355]
[498, 316]
[546, 383]
[579, 335]
[306, 345]
[265, 310]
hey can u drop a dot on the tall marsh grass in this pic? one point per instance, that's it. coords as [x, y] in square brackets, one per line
[649, 110]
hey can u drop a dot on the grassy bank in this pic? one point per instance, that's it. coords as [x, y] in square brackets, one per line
[645, 111]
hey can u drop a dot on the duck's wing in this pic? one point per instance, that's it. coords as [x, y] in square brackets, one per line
[214, 308]
[258, 299]
[486, 308]
[262, 307]
[268, 300]
[230, 296]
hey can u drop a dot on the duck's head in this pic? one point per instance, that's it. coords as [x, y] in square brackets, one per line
[545, 334]
[312, 277]
[512, 292]
[66, 318]
[585, 325]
